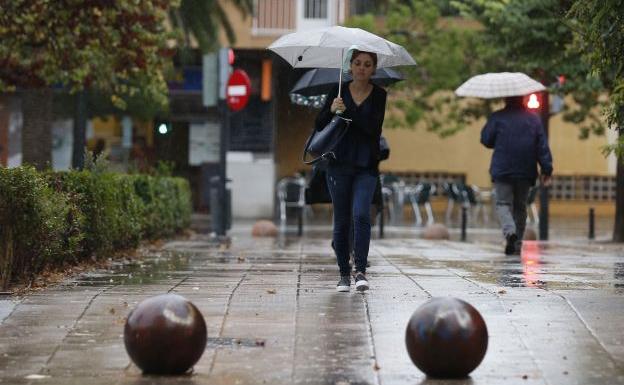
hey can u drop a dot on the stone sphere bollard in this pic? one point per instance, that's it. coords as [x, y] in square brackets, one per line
[446, 338]
[264, 228]
[165, 334]
[436, 231]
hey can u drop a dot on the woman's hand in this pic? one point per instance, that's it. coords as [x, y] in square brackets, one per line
[337, 105]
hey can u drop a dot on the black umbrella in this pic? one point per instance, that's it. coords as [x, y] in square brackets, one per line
[320, 81]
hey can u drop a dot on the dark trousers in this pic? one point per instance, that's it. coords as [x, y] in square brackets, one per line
[352, 196]
[511, 205]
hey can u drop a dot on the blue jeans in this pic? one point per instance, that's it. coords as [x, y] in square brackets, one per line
[352, 196]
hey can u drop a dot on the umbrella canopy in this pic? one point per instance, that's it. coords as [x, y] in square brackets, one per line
[499, 85]
[325, 47]
[320, 81]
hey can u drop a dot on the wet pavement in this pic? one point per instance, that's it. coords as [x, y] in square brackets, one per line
[555, 314]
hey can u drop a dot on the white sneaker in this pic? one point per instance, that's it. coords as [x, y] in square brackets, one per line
[361, 284]
[344, 285]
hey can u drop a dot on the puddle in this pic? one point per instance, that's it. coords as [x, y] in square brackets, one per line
[151, 269]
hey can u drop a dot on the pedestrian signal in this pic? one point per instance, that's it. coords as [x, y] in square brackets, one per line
[163, 128]
[533, 102]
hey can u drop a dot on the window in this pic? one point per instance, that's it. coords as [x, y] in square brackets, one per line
[315, 9]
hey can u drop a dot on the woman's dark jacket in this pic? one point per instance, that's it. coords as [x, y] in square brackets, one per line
[359, 148]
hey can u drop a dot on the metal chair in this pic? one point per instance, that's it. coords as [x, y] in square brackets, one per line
[452, 192]
[291, 193]
[393, 191]
[419, 195]
[471, 199]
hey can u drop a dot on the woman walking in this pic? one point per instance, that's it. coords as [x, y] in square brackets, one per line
[352, 176]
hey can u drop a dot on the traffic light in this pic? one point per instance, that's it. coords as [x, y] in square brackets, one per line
[533, 101]
[163, 128]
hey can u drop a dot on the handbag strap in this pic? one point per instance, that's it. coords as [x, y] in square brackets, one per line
[326, 155]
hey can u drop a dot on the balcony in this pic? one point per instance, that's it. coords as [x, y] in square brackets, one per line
[274, 17]
[278, 17]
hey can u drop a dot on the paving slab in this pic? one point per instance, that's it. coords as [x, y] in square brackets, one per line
[554, 313]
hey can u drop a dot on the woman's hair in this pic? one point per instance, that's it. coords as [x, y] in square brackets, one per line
[357, 53]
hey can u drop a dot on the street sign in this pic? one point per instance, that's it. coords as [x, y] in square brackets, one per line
[238, 90]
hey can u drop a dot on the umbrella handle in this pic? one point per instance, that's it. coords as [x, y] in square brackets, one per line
[340, 78]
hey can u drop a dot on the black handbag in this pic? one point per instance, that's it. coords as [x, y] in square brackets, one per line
[321, 144]
[316, 190]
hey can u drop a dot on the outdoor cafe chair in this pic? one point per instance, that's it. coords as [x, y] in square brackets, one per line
[291, 194]
[420, 195]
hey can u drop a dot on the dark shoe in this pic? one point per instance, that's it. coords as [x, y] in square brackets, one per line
[344, 285]
[518, 248]
[361, 284]
[510, 247]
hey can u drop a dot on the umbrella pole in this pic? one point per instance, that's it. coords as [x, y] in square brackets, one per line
[340, 76]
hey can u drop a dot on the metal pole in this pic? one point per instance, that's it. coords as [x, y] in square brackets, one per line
[592, 230]
[544, 198]
[220, 226]
[464, 222]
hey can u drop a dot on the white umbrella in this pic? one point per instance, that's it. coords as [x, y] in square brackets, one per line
[499, 85]
[325, 48]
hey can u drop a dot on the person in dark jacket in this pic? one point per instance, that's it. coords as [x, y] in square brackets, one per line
[352, 176]
[519, 144]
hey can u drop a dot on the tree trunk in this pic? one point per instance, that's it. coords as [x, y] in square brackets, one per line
[618, 228]
[6, 255]
[37, 128]
[80, 129]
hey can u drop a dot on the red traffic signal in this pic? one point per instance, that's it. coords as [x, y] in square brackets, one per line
[533, 101]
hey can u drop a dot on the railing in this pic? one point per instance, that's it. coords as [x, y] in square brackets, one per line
[274, 17]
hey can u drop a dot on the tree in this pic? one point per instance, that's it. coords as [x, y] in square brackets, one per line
[117, 47]
[442, 53]
[202, 20]
[532, 36]
[599, 30]
[543, 38]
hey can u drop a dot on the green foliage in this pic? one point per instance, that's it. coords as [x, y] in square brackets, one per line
[444, 57]
[533, 36]
[39, 226]
[119, 48]
[166, 202]
[113, 211]
[202, 20]
[62, 217]
[599, 34]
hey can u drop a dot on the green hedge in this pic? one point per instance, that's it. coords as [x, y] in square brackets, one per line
[53, 218]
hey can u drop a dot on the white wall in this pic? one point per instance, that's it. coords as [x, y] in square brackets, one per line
[252, 184]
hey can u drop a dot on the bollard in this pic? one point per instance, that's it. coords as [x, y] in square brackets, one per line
[592, 232]
[463, 223]
[300, 221]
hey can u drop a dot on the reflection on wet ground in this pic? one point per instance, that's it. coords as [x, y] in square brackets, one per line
[273, 315]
